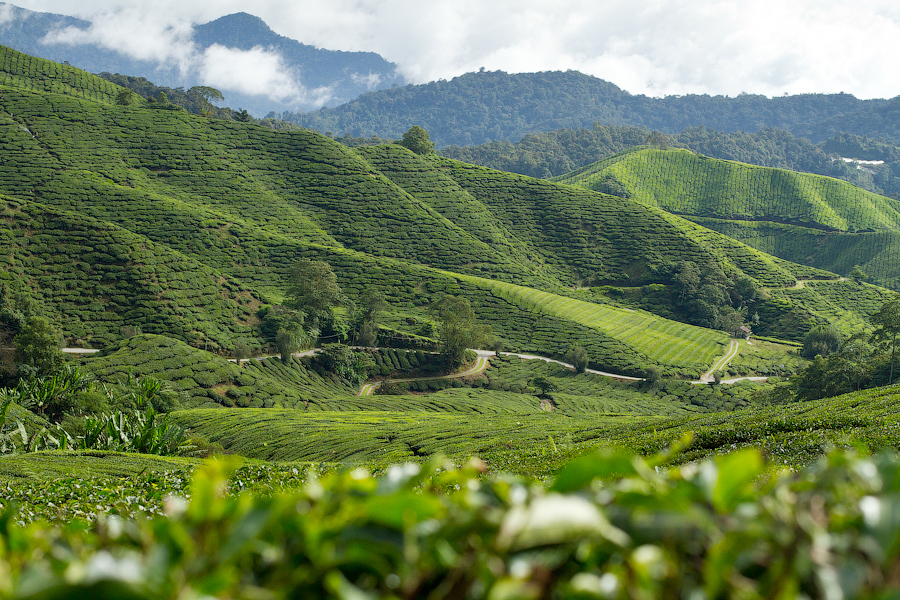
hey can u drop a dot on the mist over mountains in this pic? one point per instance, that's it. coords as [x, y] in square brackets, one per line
[239, 54]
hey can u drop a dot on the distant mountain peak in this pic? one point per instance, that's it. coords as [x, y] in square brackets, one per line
[239, 30]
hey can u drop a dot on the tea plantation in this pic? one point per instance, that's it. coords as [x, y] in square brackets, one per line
[808, 219]
[171, 242]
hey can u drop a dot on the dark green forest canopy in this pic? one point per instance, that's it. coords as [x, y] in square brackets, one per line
[477, 108]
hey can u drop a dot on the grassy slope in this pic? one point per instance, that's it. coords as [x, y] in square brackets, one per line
[876, 251]
[96, 278]
[245, 200]
[686, 183]
[535, 443]
[663, 341]
[208, 380]
[809, 219]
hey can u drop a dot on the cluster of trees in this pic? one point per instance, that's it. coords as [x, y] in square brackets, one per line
[317, 310]
[708, 296]
[198, 100]
[844, 365]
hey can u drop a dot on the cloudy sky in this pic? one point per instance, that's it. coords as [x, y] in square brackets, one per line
[654, 47]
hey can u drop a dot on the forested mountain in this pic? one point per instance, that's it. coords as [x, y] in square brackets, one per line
[330, 75]
[235, 205]
[477, 108]
[558, 152]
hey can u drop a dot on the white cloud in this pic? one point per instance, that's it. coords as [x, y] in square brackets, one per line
[654, 47]
[255, 71]
[371, 80]
[6, 14]
[136, 33]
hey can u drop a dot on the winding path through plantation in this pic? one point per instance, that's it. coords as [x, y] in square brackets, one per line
[801, 282]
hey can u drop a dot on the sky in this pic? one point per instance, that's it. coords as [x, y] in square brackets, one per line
[653, 47]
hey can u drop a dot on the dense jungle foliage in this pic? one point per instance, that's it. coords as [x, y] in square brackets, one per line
[477, 108]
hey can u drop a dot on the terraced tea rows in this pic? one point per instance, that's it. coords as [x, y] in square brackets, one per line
[208, 380]
[662, 341]
[686, 183]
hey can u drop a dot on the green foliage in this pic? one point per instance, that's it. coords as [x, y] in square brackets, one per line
[586, 535]
[821, 340]
[417, 140]
[887, 322]
[578, 356]
[543, 385]
[476, 108]
[289, 340]
[52, 396]
[344, 362]
[459, 329]
[38, 346]
[241, 351]
[313, 291]
[144, 432]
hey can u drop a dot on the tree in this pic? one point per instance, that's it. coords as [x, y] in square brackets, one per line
[371, 303]
[656, 139]
[314, 291]
[823, 378]
[687, 281]
[821, 340]
[243, 116]
[578, 356]
[345, 363]
[887, 321]
[209, 94]
[241, 351]
[459, 330]
[125, 97]
[417, 140]
[289, 339]
[38, 346]
[857, 274]
[543, 385]
[745, 292]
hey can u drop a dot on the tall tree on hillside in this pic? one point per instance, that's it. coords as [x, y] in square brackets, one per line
[417, 140]
[369, 304]
[313, 290]
[38, 346]
[887, 321]
[459, 330]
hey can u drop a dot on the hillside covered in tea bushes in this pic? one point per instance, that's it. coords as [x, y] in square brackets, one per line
[206, 217]
[809, 219]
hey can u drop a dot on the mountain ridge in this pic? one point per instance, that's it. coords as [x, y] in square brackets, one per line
[344, 74]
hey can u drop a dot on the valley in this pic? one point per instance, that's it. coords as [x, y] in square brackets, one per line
[279, 363]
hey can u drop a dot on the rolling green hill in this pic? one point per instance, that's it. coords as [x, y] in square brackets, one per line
[555, 153]
[690, 184]
[808, 219]
[205, 217]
